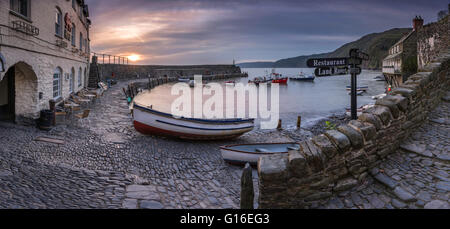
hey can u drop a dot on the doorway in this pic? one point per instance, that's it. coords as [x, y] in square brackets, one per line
[8, 96]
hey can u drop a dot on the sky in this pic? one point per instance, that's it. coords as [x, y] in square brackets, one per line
[183, 32]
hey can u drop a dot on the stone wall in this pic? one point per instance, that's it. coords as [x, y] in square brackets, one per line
[154, 71]
[341, 159]
[37, 57]
[433, 42]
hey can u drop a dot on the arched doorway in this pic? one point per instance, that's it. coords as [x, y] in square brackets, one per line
[18, 94]
[7, 96]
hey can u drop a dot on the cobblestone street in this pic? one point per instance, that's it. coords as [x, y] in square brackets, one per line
[148, 172]
[105, 163]
[417, 176]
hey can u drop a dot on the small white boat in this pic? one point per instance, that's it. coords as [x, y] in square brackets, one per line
[230, 83]
[151, 122]
[250, 153]
[192, 83]
[380, 96]
[359, 110]
[358, 93]
[362, 88]
[302, 77]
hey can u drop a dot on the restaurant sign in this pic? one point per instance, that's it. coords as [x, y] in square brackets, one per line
[327, 62]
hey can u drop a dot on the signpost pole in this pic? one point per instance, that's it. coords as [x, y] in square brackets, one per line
[354, 101]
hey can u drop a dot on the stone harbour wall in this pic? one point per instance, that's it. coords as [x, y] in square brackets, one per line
[145, 71]
[432, 41]
[341, 159]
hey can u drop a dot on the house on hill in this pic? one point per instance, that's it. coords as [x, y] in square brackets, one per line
[402, 59]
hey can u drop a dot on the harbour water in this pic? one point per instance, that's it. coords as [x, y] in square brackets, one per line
[311, 100]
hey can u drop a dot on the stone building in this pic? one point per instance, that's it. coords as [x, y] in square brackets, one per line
[44, 55]
[402, 59]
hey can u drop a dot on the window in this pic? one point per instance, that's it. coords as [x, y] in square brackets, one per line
[81, 41]
[57, 83]
[21, 7]
[73, 35]
[72, 80]
[79, 78]
[58, 23]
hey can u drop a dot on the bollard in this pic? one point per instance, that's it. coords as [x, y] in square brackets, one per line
[299, 122]
[247, 191]
[280, 125]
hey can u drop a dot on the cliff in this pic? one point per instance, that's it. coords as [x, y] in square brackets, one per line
[375, 44]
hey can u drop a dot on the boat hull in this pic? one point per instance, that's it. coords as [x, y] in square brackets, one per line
[280, 81]
[151, 122]
[234, 155]
[303, 79]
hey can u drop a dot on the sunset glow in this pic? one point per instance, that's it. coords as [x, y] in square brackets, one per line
[134, 58]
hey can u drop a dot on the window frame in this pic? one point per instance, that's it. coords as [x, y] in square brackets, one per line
[80, 83]
[74, 35]
[72, 81]
[59, 18]
[58, 72]
[16, 11]
[81, 41]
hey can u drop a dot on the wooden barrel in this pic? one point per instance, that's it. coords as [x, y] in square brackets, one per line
[46, 120]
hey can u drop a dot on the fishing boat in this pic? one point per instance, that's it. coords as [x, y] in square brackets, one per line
[280, 81]
[230, 83]
[359, 110]
[250, 153]
[184, 80]
[362, 88]
[380, 96]
[148, 121]
[380, 78]
[358, 93]
[302, 77]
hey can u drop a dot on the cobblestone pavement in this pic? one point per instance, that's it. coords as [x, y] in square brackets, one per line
[416, 176]
[155, 172]
[148, 172]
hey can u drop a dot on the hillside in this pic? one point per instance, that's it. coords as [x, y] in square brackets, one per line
[256, 65]
[375, 44]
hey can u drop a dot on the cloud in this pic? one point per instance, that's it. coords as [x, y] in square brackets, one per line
[217, 31]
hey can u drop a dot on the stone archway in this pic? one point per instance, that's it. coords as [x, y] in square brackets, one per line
[7, 96]
[25, 91]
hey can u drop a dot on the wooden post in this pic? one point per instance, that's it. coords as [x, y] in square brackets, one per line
[247, 192]
[280, 125]
[299, 122]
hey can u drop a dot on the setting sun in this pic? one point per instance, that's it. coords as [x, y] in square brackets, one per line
[134, 58]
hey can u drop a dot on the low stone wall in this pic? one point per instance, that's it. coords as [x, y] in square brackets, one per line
[154, 71]
[341, 159]
[432, 42]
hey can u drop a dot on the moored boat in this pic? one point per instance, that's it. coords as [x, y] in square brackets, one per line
[230, 83]
[250, 153]
[302, 77]
[184, 80]
[280, 80]
[148, 121]
[362, 88]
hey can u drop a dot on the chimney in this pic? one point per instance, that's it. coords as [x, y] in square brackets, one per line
[417, 23]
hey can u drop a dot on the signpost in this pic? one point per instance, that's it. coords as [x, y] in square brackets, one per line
[354, 62]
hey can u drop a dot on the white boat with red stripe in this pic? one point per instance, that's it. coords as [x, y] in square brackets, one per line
[152, 122]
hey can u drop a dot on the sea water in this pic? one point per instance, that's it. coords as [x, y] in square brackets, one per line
[310, 100]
